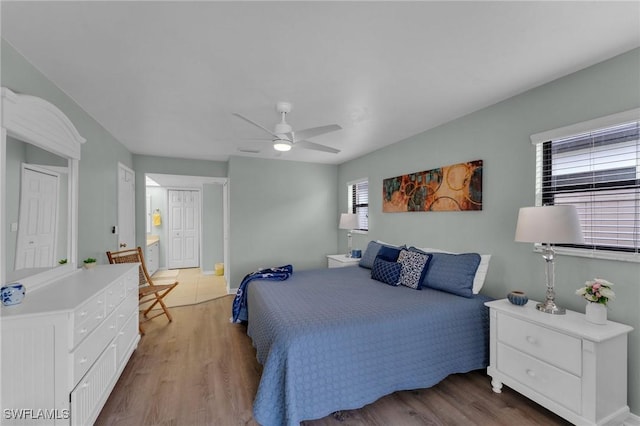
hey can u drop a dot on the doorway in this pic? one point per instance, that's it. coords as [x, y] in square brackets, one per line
[212, 219]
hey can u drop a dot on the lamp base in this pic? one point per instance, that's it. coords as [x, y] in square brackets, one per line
[550, 307]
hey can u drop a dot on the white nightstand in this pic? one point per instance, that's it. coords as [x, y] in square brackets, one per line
[574, 368]
[340, 261]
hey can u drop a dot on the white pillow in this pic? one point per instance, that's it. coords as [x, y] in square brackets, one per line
[481, 272]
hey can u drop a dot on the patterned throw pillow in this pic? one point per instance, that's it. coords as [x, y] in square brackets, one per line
[386, 271]
[414, 268]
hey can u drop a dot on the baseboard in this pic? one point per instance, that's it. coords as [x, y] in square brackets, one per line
[632, 420]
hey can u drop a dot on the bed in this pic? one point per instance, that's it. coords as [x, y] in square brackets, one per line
[335, 339]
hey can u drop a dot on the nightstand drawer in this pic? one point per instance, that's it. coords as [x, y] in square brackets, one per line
[558, 349]
[555, 384]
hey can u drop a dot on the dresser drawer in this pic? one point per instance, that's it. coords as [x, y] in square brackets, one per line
[87, 317]
[556, 348]
[124, 311]
[115, 294]
[85, 355]
[126, 336]
[87, 396]
[554, 383]
[132, 282]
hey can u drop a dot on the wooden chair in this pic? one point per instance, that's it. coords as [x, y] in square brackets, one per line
[148, 289]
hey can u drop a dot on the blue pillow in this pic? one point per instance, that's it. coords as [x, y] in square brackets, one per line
[453, 273]
[390, 253]
[414, 268]
[370, 254]
[386, 271]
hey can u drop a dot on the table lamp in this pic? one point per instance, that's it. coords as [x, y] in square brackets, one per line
[348, 221]
[549, 225]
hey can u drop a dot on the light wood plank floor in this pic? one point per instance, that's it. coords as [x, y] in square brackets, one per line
[193, 287]
[201, 370]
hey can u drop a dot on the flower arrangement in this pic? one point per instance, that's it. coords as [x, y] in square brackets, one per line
[597, 291]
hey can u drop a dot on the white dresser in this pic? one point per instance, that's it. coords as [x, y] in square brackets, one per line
[64, 347]
[574, 368]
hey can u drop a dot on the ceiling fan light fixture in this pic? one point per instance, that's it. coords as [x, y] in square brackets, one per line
[282, 145]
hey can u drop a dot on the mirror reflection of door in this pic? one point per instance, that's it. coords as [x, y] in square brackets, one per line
[126, 207]
[184, 233]
[38, 218]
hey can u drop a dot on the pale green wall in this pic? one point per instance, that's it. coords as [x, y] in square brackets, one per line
[101, 153]
[281, 212]
[499, 135]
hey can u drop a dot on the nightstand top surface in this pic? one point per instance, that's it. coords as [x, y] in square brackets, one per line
[572, 322]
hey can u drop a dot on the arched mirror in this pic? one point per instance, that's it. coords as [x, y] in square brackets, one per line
[39, 191]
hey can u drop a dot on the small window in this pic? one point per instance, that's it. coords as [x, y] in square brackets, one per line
[359, 202]
[599, 172]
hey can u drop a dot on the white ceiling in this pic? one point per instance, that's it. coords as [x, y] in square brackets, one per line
[165, 77]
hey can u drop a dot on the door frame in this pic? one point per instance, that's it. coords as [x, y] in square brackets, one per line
[192, 182]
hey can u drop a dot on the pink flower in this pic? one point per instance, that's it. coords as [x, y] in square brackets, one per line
[596, 286]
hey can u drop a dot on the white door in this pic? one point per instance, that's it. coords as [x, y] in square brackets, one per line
[184, 232]
[126, 207]
[38, 218]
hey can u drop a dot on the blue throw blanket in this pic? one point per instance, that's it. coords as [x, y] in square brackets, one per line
[240, 312]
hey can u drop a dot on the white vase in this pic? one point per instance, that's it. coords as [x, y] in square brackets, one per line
[596, 313]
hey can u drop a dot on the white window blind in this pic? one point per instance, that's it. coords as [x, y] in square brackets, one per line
[359, 202]
[598, 171]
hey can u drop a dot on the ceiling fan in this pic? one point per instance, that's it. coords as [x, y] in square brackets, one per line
[284, 138]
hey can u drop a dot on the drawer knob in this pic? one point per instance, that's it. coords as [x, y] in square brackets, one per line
[531, 340]
[99, 317]
[83, 330]
[83, 360]
[85, 385]
[531, 373]
[83, 313]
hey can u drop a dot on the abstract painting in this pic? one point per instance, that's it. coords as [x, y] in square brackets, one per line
[448, 188]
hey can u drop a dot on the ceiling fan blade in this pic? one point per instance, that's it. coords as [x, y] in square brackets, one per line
[316, 131]
[316, 146]
[255, 124]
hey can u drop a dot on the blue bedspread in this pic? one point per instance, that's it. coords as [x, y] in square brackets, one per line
[239, 308]
[335, 339]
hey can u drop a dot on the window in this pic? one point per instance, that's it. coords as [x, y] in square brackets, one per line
[598, 171]
[359, 202]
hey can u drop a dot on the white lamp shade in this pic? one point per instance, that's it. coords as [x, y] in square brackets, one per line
[348, 221]
[549, 224]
